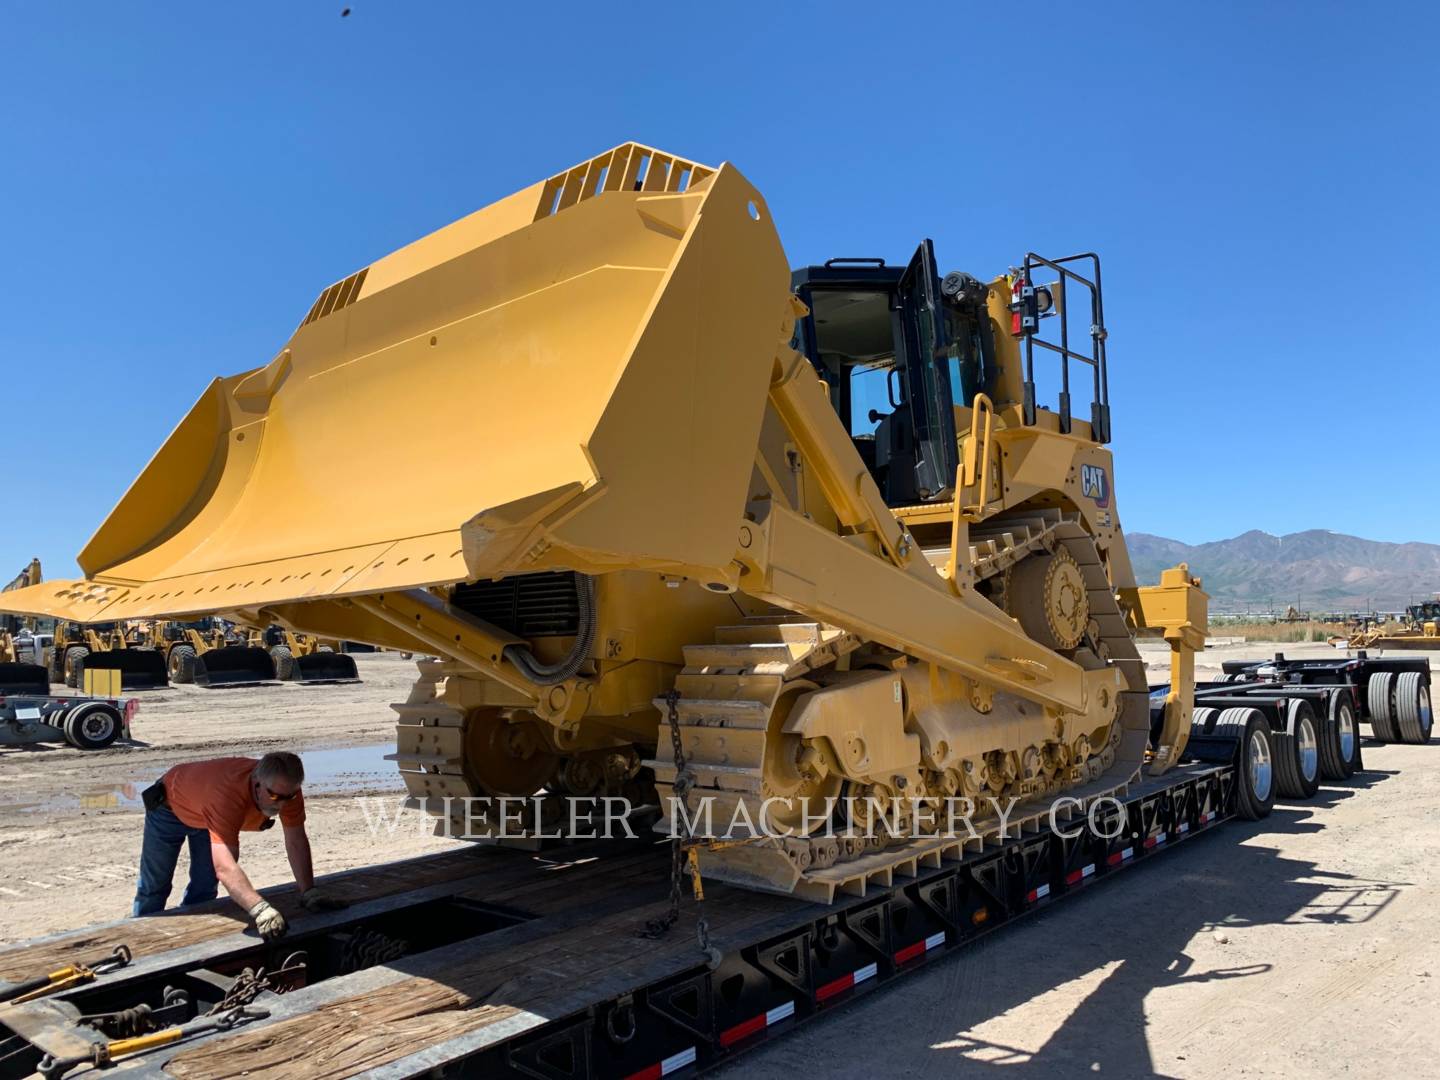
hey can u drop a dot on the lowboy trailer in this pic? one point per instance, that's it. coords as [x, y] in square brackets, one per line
[485, 962]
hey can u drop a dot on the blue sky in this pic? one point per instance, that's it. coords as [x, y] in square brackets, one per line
[179, 182]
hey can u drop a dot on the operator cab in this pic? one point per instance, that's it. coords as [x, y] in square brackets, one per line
[898, 353]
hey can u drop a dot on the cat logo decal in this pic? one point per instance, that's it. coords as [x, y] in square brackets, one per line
[1094, 484]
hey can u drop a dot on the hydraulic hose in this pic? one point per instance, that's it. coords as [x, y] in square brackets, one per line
[553, 674]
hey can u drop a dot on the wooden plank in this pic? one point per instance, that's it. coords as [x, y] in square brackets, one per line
[583, 962]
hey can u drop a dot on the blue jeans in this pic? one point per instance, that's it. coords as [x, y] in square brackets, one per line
[160, 851]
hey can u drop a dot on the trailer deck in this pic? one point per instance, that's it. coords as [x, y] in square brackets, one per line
[533, 964]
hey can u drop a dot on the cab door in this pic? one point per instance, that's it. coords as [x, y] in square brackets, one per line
[927, 375]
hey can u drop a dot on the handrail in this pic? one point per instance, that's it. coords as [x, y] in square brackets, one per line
[976, 457]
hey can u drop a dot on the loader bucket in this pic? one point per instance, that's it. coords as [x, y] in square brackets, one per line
[140, 669]
[326, 667]
[24, 679]
[573, 377]
[234, 665]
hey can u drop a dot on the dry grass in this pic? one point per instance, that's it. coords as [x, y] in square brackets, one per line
[1278, 631]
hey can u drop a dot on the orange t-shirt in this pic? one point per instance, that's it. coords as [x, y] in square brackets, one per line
[216, 795]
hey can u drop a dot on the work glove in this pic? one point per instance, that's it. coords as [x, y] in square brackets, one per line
[268, 921]
[316, 900]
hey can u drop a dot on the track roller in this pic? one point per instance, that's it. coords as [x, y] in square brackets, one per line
[1413, 719]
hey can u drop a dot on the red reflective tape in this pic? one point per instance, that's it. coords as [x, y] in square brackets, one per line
[742, 1031]
[1080, 875]
[910, 952]
[839, 986]
[652, 1073]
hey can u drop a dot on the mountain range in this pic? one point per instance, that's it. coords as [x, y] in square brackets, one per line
[1316, 570]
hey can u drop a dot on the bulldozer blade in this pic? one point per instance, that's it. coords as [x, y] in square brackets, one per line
[326, 667]
[24, 679]
[234, 665]
[524, 380]
[140, 669]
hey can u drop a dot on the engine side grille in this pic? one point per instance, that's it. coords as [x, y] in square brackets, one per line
[528, 606]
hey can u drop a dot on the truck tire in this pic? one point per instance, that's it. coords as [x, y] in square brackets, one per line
[1339, 739]
[1413, 718]
[92, 725]
[1297, 752]
[1254, 761]
[181, 664]
[74, 665]
[1380, 697]
[55, 662]
[284, 662]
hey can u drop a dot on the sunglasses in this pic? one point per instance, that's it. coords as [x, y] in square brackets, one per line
[275, 794]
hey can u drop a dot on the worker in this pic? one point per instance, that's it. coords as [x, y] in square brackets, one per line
[207, 805]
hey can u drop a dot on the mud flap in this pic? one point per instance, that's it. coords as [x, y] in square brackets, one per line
[140, 669]
[234, 665]
[326, 667]
[24, 679]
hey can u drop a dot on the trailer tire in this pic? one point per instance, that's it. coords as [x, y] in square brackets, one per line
[1254, 761]
[1380, 696]
[181, 664]
[1339, 739]
[284, 662]
[74, 665]
[1297, 752]
[1413, 717]
[92, 725]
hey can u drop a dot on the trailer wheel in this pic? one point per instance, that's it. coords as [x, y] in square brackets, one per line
[1412, 708]
[75, 664]
[92, 725]
[181, 664]
[1380, 696]
[284, 662]
[1254, 761]
[1339, 739]
[1297, 752]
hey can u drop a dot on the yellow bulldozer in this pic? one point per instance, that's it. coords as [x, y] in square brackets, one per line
[807, 547]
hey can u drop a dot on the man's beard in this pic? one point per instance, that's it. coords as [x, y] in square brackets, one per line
[270, 811]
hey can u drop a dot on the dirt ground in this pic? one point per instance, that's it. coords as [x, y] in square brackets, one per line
[70, 821]
[1299, 946]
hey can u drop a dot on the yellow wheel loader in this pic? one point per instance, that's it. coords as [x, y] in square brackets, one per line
[205, 652]
[648, 497]
[117, 646]
[20, 669]
[304, 658]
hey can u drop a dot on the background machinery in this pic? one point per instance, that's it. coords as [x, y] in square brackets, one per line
[209, 652]
[119, 646]
[1419, 629]
[304, 658]
[21, 651]
[814, 534]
